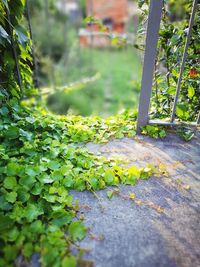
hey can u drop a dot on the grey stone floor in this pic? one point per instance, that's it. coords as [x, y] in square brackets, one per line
[161, 228]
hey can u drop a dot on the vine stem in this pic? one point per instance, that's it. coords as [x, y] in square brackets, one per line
[32, 46]
[14, 50]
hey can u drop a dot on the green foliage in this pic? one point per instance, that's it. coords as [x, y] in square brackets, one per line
[42, 159]
[185, 132]
[77, 230]
[14, 36]
[154, 131]
[173, 31]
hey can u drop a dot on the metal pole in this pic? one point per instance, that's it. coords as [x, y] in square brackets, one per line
[14, 51]
[49, 50]
[91, 13]
[153, 27]
[33, 46]
[198, 119]
[184, 59]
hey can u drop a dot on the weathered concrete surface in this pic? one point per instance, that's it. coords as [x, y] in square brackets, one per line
[162, 226]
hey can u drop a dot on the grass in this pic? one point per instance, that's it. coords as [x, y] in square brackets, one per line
[116, 88]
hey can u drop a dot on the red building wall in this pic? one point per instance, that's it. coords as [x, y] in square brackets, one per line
[113, 13]
[115, 10]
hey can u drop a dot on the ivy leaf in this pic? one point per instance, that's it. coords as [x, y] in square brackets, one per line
[4, 204]
[10, 183]
[4, 111]
[11, 197]
[69, 262]
[5, 222]
[27, 250]
[109, 176]
[10, 252]
[13, 234]
[182, 111]
[110, 194]
[56, 175]
[191, 91]
[4, 35]
[21, 34]
[77, 230]
[23, 196]
[62, 218]
[32, 170]
[12, 132]
[27, 181]
[37, 227]
[54, 165]
[12, 169]
[32, 211]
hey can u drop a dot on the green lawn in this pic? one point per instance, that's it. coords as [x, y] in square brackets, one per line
[116, 88]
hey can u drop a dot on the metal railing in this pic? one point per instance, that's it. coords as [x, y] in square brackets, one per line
[153, 27]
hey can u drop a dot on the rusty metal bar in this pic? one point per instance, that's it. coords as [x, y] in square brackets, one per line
[153, 27]
[184, 59]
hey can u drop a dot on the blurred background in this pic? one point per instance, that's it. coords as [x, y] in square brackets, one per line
[84, 66]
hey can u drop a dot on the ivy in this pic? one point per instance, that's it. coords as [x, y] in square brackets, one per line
[43, 158]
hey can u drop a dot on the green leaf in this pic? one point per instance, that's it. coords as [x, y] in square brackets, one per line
[21, 34]
[37, 227]
[4, 111]
[10, 182]
[10, 252]
[77, 230]
[110, 194]
[27, 181]
[13, 234]
[11, 197]
[54, 165]
[32, 211]
[182, 111]
[4, 204]
[23, 196]
[12, 132]
[12, 169]
[109, 176]
[69, 261]
[62, 218]
[5, 222]
[56, 175]
[4, 34]
[32, 170]
[191, 91]
[27, 250]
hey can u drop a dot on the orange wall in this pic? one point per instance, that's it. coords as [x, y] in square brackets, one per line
[117, 10]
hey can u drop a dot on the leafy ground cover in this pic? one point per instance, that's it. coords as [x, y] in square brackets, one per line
[41, 161]
[43, 158]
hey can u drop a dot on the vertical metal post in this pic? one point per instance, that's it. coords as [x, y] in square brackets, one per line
[153, 27]
[184, 59]
[14, 51]
[49, 48]
[91, 13]
[198, 119]
[33, 46]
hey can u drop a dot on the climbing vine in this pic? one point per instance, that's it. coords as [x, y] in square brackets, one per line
[172, 37]
[43, 158]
